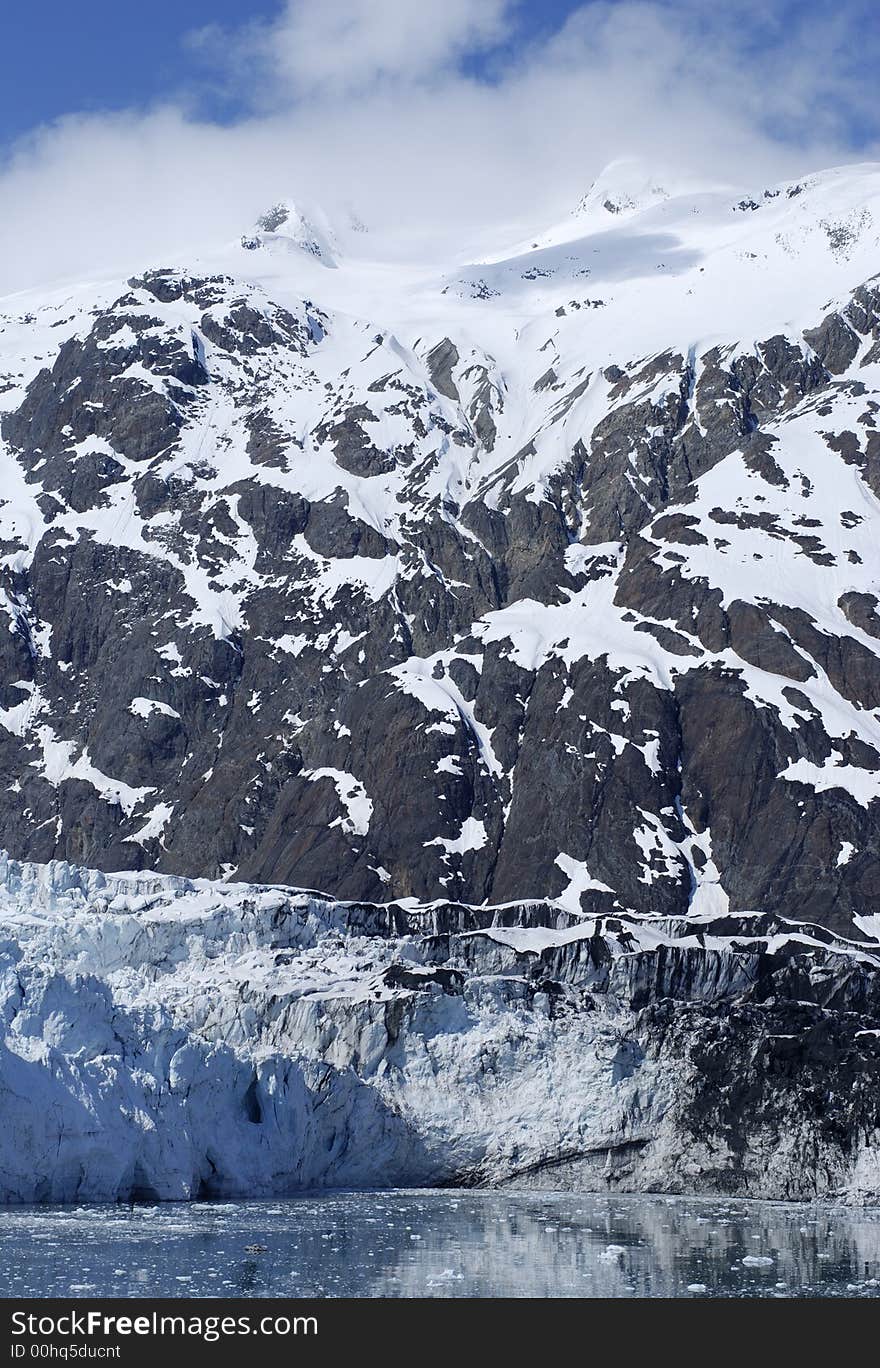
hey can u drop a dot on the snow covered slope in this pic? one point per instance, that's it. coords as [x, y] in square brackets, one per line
[166, 1038]
[547, 575]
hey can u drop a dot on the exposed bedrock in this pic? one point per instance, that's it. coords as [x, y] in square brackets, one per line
[286, 607]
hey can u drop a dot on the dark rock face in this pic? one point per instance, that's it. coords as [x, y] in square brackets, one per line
[286, 602]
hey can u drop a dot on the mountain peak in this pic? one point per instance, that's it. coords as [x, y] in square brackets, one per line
[623, 187]
[288, 226]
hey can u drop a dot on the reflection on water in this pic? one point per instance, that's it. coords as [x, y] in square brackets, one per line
[442, 1244]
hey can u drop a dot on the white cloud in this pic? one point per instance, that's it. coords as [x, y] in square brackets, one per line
[376, 102]
[343, 47]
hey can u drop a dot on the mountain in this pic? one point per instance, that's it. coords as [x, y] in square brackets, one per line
[534, 591]
[550, 576]
[286, 228]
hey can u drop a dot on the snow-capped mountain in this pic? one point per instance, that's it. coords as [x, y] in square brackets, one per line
[551, 575]
[524, 604]
[287, 228]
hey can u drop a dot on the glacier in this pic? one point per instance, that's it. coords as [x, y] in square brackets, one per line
[169, 1039]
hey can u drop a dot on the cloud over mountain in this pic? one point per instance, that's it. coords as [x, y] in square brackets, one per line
[438, 121]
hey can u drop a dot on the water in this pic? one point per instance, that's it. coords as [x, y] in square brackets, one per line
[442, 1244]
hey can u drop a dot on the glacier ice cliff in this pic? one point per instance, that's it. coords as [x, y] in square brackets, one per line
[166, 1038]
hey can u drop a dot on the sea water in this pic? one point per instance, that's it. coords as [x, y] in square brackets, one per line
[448, 1243]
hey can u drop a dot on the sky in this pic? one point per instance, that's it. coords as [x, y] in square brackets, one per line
[131, 133]
[103, 55]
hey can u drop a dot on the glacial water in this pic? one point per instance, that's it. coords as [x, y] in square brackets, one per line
[442, 1244]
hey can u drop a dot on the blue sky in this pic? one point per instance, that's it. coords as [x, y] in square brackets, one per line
[63, 57]
[131, 129]
[97, 55]
[74, 56]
